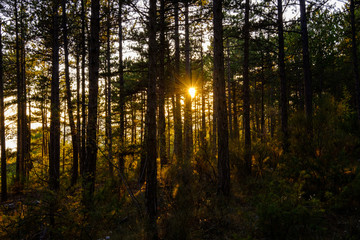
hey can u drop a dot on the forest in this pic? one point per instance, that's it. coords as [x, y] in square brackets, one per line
[180, 119]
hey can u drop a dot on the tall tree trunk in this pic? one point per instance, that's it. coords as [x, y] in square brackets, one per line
[2, 126]
[20, 138]
[229, 89]
[188, 83]
[108, 92]
[283, 82]
[73, 129]
[262, 121]
[247, 155]
[219, 82]
[151, 169]
[306, 65]
[91, 141]
[83, 100]
[122, 92]
[78, 116]
[162, 124]
[235, 113]
[355, 55]
[24, 126]
[54, 146]
[178, 143]
[203, 112]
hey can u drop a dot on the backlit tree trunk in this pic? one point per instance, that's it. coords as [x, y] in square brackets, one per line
[306, 64]
[54, 146]
[151, 169]
[91, 140]
[178, 143]
[74, 138]
[219, 83]
[2, 126]
[246, 98]
[283, 83]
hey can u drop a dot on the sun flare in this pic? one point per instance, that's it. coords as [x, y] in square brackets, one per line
[192, 92]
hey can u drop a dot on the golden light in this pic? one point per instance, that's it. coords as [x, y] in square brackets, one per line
[192, 92]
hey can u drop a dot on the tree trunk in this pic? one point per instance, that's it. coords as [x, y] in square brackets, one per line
[162, 124]
[229, 89]
[178, 143]
[83, 100]
[151, 169]
[20, 171]
[2, 126]
[91, 141]
[247, 155]
[283, 82]
[108, 92]
[306, 65]
[262, 124]
[54, 146]
[355, 55]
[122, 92]
[188, 83]
[74, 138]
[222, 120]
[203, 118]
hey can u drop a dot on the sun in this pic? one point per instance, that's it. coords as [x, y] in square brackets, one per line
[192, 92]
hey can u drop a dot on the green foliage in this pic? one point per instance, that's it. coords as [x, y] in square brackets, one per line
[285, 214]
[326, 158]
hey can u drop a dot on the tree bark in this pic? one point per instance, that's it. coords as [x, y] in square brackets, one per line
[222, 120]
[122, 90]
[188, 83]
[229, 89]
[178, 143]
[54, 146]
[151, 169]
[83, 100]
[2, 126]
[246, 100]
[20, 138]
[108, 92]
[73, 129]
[306, 65]
[91, 141]
[283, 81]
[162, 124]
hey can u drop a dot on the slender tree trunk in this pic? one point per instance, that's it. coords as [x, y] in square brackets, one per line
[54, 146]
[246, 100]
[78, 116]
[203, 118]
[229, 89]
[108, 93]
[162, 124]
[20, 137]
[2, 126]
[283, 82]
[306, 65]
[83, 100]
[24, 126]
[188, 111]
[235, 113]
[91, 141]
[262, 99]
[73, 129]
[355, 55]
[122, 92]
[219, 82]
[178, 143]
[151, 169]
